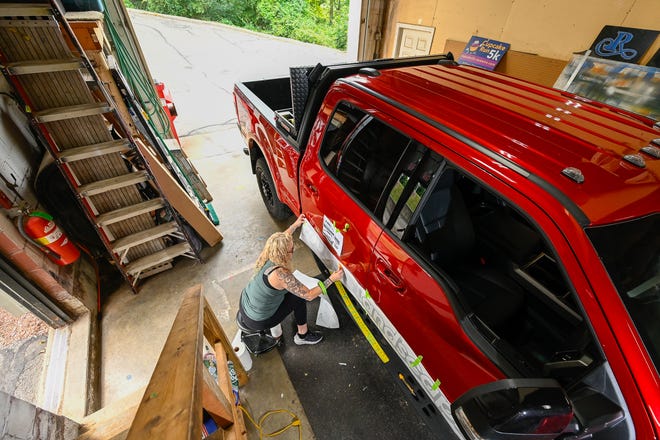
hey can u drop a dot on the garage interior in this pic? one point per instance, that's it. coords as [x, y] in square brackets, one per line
[103, 348]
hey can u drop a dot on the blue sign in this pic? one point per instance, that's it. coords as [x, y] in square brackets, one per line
[483, 52]
[623, 44]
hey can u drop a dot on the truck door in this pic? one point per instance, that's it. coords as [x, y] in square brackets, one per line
[413, 297]
[342, 180]
[364, 175]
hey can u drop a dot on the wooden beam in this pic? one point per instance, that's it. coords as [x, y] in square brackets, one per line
[217, 435]
[215, 402]
[113, 421]
[171, 408]
[238, 430]
[216, 335]
[179, 199]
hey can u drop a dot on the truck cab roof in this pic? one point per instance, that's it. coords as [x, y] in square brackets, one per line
[605, 161]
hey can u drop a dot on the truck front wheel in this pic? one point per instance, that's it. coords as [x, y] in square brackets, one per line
[277, 209]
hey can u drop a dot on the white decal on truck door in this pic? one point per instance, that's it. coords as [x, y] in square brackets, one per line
[332, 234]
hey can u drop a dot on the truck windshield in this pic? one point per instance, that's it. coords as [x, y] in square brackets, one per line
[631, 254]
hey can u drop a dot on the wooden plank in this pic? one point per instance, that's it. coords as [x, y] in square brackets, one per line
[216, 335]
[215, 402]
[144, 236]
[25, 9]
[113, 183]
[95, 150]
[89, 34]
[238, 430]
[171, 407]
[70, 112]
[113, 421]
[129, 211]
[137, 266]
[180, 200]
[101, 66]
[32, 67]
[217, 435]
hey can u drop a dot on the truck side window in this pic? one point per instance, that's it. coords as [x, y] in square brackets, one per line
[362, 152]
[413, 177]
[343, 122]
[506, 275]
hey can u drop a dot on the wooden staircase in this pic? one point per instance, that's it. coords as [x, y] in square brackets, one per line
[181, 386]
[78, 121]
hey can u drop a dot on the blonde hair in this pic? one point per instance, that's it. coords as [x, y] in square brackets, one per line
[276, 250]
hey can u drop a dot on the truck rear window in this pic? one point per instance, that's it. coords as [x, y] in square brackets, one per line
[631, 254]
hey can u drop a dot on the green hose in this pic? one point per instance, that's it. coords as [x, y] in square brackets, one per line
[142, 87]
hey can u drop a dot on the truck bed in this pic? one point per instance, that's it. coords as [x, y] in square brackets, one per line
[273, 93]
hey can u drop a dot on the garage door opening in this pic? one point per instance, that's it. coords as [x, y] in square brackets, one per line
[26, 317]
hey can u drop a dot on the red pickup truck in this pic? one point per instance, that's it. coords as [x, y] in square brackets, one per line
[502, 236]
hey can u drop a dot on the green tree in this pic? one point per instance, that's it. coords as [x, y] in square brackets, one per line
[314, 21]
[242, 13]
[183, 8]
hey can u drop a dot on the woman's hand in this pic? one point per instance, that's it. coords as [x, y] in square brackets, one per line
[295, 225]
[299, 221]
[337, 275]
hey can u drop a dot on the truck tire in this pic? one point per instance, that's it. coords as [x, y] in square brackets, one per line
[276, 209]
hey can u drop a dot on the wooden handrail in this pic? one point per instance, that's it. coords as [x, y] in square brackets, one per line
[171, 407]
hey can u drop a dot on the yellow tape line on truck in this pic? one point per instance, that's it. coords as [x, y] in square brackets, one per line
[363, 327]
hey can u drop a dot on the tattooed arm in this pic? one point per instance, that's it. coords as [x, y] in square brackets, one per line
[286, 280]
[281, 278]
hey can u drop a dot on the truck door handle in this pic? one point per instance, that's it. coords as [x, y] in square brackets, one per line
[383, 269]
[310, 186]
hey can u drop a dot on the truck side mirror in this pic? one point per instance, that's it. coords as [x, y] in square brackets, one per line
[530, 409]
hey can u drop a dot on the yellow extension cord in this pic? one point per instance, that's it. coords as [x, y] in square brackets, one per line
[295, 422]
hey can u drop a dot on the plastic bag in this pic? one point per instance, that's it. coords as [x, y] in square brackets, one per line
[326, 316]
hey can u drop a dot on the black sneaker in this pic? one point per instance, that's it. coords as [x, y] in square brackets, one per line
[309, 338]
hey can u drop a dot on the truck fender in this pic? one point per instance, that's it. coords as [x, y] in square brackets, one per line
[255, 152]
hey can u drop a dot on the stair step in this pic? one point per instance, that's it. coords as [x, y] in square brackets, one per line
[144, 236]
[89, 151]
[129, 211]
[72, 111]
[106, 185]
[155, 270]
[25, 9]
[43, 66]
[134, 268]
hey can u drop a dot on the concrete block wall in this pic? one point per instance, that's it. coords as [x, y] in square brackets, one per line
[56, 281]
[20, 420]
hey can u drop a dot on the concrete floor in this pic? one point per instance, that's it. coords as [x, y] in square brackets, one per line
[134, 327]
[199, 62]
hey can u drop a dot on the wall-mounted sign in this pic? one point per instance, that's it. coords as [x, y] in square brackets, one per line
[483, 52]
[622, 43]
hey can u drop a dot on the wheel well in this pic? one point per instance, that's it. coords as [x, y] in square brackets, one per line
[255, 153]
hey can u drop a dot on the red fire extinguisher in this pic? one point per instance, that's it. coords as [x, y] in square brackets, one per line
[40, 228]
